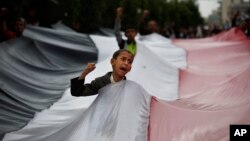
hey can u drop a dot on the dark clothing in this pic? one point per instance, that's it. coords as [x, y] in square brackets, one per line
[143, 26]
[78, 88]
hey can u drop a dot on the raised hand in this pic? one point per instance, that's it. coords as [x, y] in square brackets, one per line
[89, 68]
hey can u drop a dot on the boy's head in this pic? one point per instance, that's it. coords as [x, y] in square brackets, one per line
[152, 26]
[19, 26]
[130, 32]
[122, 62]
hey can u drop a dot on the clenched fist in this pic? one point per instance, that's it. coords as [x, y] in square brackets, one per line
[89, 68]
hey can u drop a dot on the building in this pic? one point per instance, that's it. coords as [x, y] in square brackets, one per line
[230, 7]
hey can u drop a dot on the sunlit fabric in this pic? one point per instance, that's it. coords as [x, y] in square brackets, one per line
[214, 91]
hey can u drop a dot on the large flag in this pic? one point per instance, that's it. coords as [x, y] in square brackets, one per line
[177, 99]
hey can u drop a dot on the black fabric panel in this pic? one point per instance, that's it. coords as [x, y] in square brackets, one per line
[36, 69]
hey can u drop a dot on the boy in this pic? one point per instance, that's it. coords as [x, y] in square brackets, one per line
[121, 63]
[130, 33]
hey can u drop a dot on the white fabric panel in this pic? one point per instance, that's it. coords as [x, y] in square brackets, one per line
[158, 77]
[160, 45]
[170, 53]
[155, 66]
[106, 46]
[119, 113]
[154, 37]
[165, 49]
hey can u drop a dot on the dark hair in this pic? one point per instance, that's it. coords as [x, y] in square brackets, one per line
[126, 27]
[118, 52]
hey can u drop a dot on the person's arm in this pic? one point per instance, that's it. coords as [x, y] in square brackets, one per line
[77, 84]
[143, 22]
[78, 88]
[117, 27]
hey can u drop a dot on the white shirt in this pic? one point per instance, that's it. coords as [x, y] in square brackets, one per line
[112, 79]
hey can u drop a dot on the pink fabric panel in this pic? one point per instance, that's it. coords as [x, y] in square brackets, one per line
[214, 91]
[211, 67]
[234, 34]
[180, 121]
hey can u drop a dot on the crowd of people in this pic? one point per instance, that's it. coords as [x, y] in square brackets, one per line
[10, 30]
[13, 20]
[13, 28]
[243, 22]
[148, 25]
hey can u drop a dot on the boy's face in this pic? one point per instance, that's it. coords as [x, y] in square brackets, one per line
[122, 64]
[130, 33]
[19, 25]
[153, 26]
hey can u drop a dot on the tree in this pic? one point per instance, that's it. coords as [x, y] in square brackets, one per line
[93, 14]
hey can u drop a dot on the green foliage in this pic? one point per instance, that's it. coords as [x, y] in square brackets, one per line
[93, 14]
[130, 17]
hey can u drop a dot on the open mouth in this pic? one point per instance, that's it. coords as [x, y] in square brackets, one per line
[123, 69]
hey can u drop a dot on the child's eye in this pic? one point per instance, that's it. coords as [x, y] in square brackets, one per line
[129, 61]
[123, 59]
